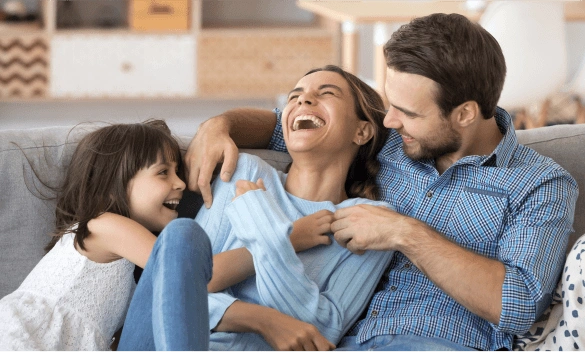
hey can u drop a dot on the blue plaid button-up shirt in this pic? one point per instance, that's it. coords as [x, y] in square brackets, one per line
[514, 205]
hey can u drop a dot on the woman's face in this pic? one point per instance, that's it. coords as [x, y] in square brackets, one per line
[320, 115]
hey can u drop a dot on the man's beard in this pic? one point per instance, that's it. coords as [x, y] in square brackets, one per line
[445, 141]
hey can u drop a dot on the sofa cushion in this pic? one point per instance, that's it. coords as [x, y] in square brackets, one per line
[25, 219]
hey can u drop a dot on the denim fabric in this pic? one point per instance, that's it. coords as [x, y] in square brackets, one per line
[400, 343]
[169, 309]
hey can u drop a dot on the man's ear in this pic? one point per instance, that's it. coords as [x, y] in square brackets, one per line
[466, 113]
[364, 133]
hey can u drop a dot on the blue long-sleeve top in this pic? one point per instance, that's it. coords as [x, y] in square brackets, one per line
[327, 286]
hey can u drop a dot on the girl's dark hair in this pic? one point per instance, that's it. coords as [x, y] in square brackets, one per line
[369, 106]
[463, 58]
[103, 163]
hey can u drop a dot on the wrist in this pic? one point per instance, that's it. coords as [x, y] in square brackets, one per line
[411, 234]
[216, 125]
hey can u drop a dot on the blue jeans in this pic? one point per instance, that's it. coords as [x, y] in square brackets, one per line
[169, 308]
[400, 343]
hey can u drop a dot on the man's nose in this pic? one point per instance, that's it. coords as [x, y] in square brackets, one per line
[392, 120]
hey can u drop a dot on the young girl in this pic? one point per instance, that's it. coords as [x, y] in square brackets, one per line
[122, 184]
[333, 130]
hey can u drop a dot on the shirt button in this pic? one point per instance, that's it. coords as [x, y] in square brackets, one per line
[393, 288]
[374, 313]
[406, 266]
[429, 194]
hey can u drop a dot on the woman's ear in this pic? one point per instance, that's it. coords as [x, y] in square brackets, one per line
[364, 133]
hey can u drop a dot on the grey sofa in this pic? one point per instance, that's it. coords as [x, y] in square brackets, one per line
[27, 215]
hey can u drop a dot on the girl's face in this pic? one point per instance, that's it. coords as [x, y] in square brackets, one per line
[320, 115]
[154, 193]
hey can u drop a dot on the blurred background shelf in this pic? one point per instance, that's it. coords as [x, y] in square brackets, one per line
[104, 49]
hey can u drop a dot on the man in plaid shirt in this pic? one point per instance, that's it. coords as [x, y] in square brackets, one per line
[481, 222]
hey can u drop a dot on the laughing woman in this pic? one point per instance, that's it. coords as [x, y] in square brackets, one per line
[333, 130]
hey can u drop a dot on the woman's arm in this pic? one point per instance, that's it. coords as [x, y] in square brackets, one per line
[280, 275]
[230, 268]
[236, 265]
[281, 331]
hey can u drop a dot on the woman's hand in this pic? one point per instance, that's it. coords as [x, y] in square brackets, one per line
[285, 333]
[243, 186]
[311, 230]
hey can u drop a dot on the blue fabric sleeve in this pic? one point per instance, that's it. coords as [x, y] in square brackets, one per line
[277, 139]
[282, 283]
[533, 250]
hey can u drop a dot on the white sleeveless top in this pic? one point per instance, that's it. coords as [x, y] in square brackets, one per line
[67, 302]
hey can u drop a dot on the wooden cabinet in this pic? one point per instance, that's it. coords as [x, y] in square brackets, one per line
[226, 59]
[124, 65]
[258, 63]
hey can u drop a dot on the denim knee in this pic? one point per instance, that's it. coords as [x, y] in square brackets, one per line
[184, 235]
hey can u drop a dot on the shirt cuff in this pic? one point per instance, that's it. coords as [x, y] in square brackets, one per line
[518, 307]
[218, 303]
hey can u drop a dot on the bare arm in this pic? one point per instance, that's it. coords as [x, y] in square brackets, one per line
[115, 236]
[281, 331]
[479, 280]
[218, 139]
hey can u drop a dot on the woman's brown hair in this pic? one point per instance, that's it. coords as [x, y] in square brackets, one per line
[103, 163]
[369, 106]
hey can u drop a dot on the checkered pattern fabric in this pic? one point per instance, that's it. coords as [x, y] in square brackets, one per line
[514, 205]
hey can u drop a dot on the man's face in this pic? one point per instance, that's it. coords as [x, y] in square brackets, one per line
[414, 114]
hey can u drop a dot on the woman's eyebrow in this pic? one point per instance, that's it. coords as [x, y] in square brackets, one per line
[323, 86]
[298, 89]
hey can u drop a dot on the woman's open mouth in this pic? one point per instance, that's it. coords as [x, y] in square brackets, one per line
[307, 122]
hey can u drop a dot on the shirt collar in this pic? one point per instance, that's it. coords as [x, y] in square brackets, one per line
[503, 153]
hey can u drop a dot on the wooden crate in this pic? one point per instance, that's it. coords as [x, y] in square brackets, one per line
[159, 15]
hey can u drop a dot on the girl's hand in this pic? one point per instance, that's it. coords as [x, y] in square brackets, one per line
[243, 186]
[311, 230]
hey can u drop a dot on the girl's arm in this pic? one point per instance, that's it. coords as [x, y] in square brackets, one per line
[280, 275]
[115, 236]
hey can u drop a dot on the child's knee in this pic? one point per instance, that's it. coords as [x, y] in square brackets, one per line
[184, 234]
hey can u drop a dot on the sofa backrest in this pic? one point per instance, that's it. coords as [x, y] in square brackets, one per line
[26, 219]
[565, 144]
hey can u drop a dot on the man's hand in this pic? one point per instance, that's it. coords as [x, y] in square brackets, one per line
[368, 227]
[311, 230]
[473, 280]
[243, 186]
[211, 145]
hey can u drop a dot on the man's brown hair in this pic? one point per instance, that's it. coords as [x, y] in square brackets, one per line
[463, 58]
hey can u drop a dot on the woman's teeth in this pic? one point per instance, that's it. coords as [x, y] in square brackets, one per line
[307, 122]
